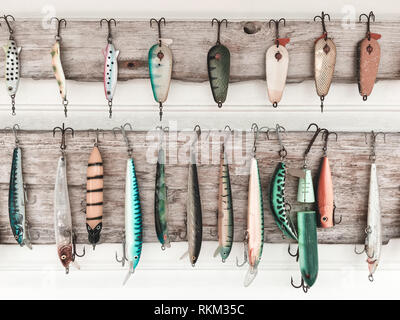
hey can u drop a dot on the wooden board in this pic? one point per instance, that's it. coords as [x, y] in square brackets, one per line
[83, 41]
[349, 158]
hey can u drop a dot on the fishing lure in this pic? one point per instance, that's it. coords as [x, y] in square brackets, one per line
[94, 194]
[110, 66]
[277, 62]
[12, 63]
[369, 54]
[160, 68]
[133, 239]
[64, 235]
[161, 198]
[277, 199]
[373, 239]
[225, 207]
[324, 61]
[57, 65]
[218, 64]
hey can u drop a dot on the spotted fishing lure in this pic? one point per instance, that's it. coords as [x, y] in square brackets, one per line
[369, 54]
[277, 62]
[12, 63]
[218, 64]
[160, 68]
[110, 66]
[57, 65]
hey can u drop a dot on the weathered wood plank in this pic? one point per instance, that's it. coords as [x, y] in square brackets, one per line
[349, 158]
[84, 40]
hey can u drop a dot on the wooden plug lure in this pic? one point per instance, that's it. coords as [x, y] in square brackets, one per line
[369, 54]
[94, 194]
[276, 63]
[160, 68]
[64, 235]
[324, 61]
[218, 64]
[110, 66]
[12, 63]
[225, 207]
[57, 64]
[133, 238]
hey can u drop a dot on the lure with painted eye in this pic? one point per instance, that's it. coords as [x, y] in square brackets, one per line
[326, 205]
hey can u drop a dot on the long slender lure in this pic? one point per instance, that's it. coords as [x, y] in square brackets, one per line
[194, 217]
[225, 205]
[218, 64]
[254, 236]
[369, 55]
[161, 196]
[324, 61]
[64, 234]
[160, 67]
[110, 66]
[279, 207]
[133, 239]
[276, 63]
[94, 194]
[373, 239]
[12, 63]
[57, 64]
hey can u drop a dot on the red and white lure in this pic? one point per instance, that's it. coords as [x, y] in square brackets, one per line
[110, 66]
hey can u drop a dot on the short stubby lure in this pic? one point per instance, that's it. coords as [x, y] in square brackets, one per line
[369, 54]
[160, 68]
[57, 65]
[324, 61]
[218, 64]
[110, 75]
[276, 63]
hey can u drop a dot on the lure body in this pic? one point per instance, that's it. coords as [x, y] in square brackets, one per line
[16, 201]
[373, 242]
[218, 63]
[305, 191]
[308, 246]
[161, 202]
[94, 196]
[62, 215]
[369, 52]
[277, 202]
[12, 72]
[324, 65]
[110, 71]
[160, 69]
[325, 199]
[58, 69]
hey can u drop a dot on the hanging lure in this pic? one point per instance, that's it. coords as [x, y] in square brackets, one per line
[194, 218]
[160, 68]
[64, 234]
[369, 55]
[373, 239]
[277, 62]
[12, 63]
[17, 197]
[254, 237]
[133, 239]
[324, 61]
[57, 65]
[280, 208]
[218, 64]
[225, 206]
[110, 66]
[161, 197]
[94, 194]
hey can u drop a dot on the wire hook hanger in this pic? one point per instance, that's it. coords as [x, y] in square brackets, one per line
[322, 17]
[162, 19]
[369, 17]
[219, 22]
[10, 30]
[63, 130]
[59, 24]
[109, 21]
[276, 22]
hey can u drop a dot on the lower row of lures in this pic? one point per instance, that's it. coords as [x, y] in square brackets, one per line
[317, 201]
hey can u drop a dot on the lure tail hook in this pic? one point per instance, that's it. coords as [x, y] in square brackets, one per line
[245, 253]
[302, 285]
[74, 253]
[123, 258]
[296, 255]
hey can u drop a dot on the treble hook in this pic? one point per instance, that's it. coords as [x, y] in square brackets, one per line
[294, 255]
[322, 17]
[63, 131]
[302, 285]
[317, 132]
[74, 237]
[10, 30]
[372, 156]
[229, 132]
[125, 136]
[278, 129]
[59, 22]
[369, 17]
[124, 258]
[245, 254]
[277, 28]
[96, 131]
[325, 136]
[254, 128]
[219, 27]
[109, 37]
[159, 27]
[15, 130]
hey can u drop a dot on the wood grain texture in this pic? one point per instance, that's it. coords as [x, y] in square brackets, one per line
[82, 42]
[349, 160]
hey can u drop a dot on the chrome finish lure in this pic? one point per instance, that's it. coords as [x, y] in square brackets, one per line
[160, 68]
[57, 65]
